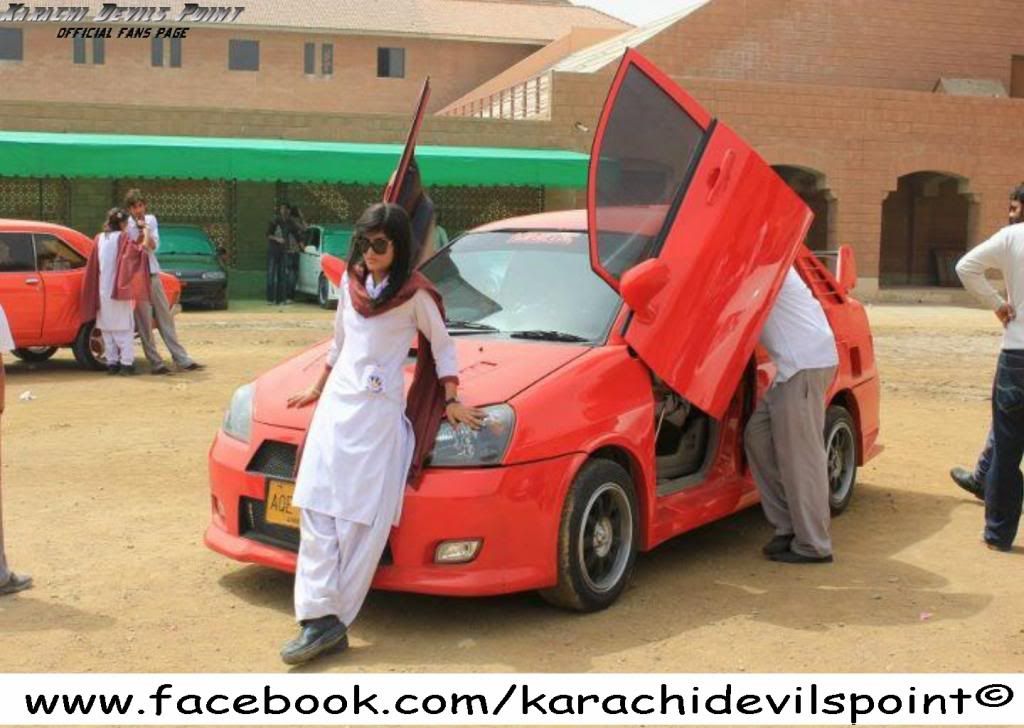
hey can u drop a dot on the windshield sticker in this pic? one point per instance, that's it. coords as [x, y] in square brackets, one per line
[534, 237]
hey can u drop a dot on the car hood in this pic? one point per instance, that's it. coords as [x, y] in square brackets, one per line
[491, 371]
[187, 263]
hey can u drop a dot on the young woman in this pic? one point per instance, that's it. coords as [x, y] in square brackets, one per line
[10, 582]
[362, 447]
[115, 318]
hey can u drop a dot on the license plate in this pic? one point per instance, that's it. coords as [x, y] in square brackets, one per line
[279, 510]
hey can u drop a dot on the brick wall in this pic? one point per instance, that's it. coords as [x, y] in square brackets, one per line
[901, 44]
[47, 72]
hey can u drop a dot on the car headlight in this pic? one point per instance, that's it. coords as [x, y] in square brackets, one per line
[214, 275]
[464, 446]
[238, 418]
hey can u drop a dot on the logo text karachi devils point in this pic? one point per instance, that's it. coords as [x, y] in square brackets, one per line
[113, 13]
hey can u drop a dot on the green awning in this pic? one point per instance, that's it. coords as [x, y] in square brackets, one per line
[36, 154]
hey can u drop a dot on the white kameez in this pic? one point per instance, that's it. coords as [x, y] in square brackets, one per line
[116, 319]
[357, 455]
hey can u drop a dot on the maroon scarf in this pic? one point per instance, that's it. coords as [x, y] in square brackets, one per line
[131, 282]
[425, 403]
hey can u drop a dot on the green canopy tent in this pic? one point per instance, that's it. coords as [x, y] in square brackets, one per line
[37, 154]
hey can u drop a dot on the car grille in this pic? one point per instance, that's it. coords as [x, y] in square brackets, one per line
[276, 459]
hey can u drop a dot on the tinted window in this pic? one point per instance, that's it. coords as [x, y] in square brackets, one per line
[156, 52]
[16, 253]
[175, 52]
[309, 58]
[327, 59]
[646, 153]
[244, 55]
[11, 48]
[99, 53]
[391, 62]
[78, 50]
[524, 281]
[53, 254]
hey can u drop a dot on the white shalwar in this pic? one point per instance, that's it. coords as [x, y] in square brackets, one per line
[360, 445]
[116, 319]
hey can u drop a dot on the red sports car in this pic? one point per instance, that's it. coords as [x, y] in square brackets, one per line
[614, 350]
[42, 266]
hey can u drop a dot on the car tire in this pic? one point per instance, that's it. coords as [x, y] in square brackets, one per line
[841, 457]
[596, 539]
[323, 293]
[35, 353]
[88, 347]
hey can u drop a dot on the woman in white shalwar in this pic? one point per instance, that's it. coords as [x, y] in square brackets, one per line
[115, 319]
[363, 442]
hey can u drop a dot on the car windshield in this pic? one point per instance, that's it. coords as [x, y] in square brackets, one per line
[184, 241]
[532, 282]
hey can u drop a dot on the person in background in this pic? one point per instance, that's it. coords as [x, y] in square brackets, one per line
[277, 259]
[9, 581]
[1003, 484]
[296, 239]
[974, 482]
[115, 318]
[144, 230]
[784, 440]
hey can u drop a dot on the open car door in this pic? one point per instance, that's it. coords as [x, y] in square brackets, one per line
[693, 229]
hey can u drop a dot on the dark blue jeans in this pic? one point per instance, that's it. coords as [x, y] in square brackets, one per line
[984, 460]
[1004, 484]
[277, 273]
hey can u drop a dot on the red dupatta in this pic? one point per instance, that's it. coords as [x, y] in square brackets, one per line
[131, 282]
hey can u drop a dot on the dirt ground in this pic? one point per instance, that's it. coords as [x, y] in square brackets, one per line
[105, 497]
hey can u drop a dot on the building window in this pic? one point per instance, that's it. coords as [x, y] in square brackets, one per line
[309, 59]
[11, 47]
[158, 54]
[244, 55]
[327, 59]
[80, 56]
[391, 62]
[1017, 77]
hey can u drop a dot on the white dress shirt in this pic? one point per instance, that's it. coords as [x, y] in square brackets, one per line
[154, 234]
[1003, 252]
[797, 334]
[6, 340]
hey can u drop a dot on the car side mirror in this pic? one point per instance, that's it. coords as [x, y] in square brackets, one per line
[641, 284]
[846, 268]
[311, 249]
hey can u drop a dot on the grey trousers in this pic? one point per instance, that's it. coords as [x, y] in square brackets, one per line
[159, 308]
[5, 573]
[785, 445]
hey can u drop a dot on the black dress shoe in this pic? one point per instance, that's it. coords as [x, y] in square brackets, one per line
[316, 636]
[966, 480]
[113, 369]
[15, 583]
[194, 367]
[778, 544]
[160, 369]
[993, 546]
[792, 557]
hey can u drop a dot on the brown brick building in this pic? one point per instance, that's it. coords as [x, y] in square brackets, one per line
[899, 122]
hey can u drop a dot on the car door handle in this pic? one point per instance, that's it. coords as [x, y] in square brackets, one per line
[719, 178]
[32, 281]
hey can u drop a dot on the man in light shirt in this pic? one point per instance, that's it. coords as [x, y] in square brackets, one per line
[1004, 485]
[974, 482]
[785, 435]
[9, 581]
[158, 307]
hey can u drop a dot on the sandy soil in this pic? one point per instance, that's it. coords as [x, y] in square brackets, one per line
[106, 501]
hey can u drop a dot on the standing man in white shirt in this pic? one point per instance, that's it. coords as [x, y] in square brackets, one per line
[1004, 485]
[784, 438]
[974, 482]
[9, 581]
[158, 307]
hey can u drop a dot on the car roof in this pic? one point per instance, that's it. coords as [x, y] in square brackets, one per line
[79, 240]
[575, 220]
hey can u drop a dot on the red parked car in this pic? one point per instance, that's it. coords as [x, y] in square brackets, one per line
[42, 266]
[614, 350]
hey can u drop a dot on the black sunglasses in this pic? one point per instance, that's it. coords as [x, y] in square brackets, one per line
[378, 245]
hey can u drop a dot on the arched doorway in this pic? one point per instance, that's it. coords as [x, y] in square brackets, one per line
[813, 190]
[926, 225]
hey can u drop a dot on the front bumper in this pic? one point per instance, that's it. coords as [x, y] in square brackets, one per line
[514, 510]
[199, 293]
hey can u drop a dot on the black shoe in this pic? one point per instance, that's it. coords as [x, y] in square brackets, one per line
[15, 583]
[113, 369]
[128, 370]
[160, 369]
[993, 546]
[966, 480]
[193, 367]
[316, 636]
[792, 557]
[778, 544]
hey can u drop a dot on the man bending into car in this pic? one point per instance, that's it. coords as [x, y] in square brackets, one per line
[784, 441]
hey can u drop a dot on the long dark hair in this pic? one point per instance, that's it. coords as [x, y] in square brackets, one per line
[393, 222]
